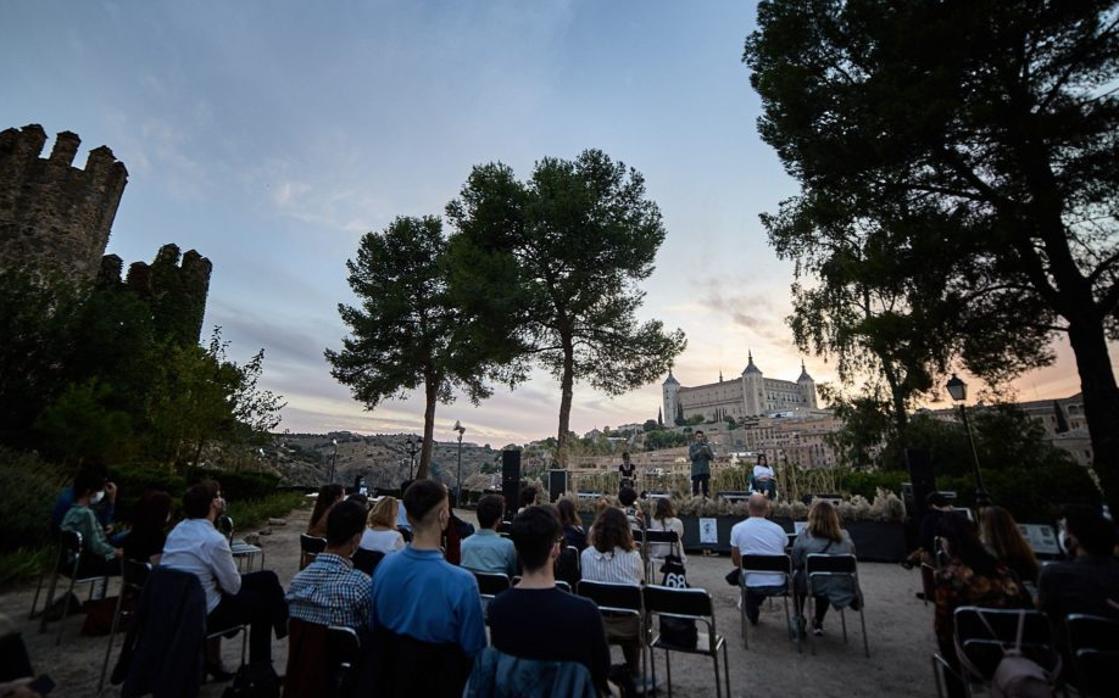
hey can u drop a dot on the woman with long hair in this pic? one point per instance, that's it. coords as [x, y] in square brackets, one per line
[380, 533]
[573, 533]
[999, 532]
[824, 535]
[144, 543]
[664, 519]
[613, 557]
[329, 495]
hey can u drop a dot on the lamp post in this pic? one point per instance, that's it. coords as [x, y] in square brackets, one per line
[958, 390]
[412, 450]
[458, 486]
[333, 460]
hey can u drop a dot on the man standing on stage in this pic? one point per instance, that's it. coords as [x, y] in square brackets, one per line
[701, 455]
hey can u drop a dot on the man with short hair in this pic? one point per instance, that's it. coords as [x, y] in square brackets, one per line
[1089, 582]
[419, 594]
[232, 599]
[757, 535]
[329, 591]
[701, 455]
[535, 620]
[486, 551]
[627, 470]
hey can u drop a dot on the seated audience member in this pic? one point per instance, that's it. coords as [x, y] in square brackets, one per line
[402, 515]
[613, 558]
[573, 533]
[937, 507]
[256, 599]
[381, 534]
[999, 532]
[823, 535]
[329, 495]
[664, 519]
[627, 497]
[329, 591]
[528, 498]
[104, 507]
[486, 551]
[971, 577]
[145, 540]
[1087, 583]
[757, 535]
[763, 478]
[98, 557]
[535, 620]
[419, 594]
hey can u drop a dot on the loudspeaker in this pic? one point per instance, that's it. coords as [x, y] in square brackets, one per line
[511, 481]
[922, 477]
[557, 484]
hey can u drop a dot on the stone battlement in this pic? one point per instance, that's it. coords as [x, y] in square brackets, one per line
[54, 216]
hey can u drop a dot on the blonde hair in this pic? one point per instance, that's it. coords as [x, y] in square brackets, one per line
[384, 513]
[823, 521]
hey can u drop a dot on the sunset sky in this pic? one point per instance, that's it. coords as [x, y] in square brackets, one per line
[270, 136]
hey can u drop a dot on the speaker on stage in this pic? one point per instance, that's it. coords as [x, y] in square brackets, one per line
[557, 484]
[923, 479]
[511, 481]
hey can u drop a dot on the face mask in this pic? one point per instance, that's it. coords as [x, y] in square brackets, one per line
[97, 497]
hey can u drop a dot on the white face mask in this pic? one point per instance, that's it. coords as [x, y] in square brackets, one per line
[97, 497]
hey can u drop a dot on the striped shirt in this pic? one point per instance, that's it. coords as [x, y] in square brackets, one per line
[329, 591]
[617, 566]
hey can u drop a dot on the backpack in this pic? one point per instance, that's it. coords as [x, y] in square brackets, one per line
[254, 680]
[678, 632]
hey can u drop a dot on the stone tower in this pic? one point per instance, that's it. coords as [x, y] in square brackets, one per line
[669, 388]
[807, 387]
[753, 387]
[54, 216]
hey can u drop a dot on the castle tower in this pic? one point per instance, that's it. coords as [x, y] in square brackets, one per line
[54, 216]
[753, 388]
[176, 292]
[669, 389]
[807, 387]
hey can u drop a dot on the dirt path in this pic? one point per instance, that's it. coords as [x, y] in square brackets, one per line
[899, 628]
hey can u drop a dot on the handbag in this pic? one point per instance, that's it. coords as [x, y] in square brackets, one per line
[677, 632]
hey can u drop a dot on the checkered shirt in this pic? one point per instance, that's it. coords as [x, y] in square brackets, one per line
[329, 591]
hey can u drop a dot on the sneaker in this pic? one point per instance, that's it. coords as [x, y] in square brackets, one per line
[817, 628]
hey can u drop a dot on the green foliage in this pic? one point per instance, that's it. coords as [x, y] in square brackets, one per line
[23, 563]
[30, 488]
[80, 424]
[550, 265]
[656, 440]
[650, 425]
[247, 514]
[695, 420]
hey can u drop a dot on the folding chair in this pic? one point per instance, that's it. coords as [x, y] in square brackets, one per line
[983, 634]
[67, 564]
[768, 564]
[1094, 647]
[659, 538]
[491, 584]
[618, 600]
[240, 549]
[133, 576]
[309, 548]
[366, 560]
[563, 586]
[688, 604]
[344, 648]
[819, 566]
[567, 565]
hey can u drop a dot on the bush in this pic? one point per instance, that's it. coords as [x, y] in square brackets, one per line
[237, 485]
[253, 513]
[30, 487]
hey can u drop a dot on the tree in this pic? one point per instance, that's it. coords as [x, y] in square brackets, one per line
[550, 266]
[998, 116]
[407, 332]
[660, 418]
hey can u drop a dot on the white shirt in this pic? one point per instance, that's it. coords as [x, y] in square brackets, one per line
[764, 472]
[617, 566]
[381, 541]
[195, 546]
[760, 536]
[661, 550]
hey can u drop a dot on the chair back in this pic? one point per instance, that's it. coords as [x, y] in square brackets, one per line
[822, 563]
[660, 537]
[490, 584]
[367, 560]
[614, 598]
[311, 545]
[224, 524]
[343, 648]
[753, 564]
[1095, 632]
[70, 541]
[567, 565]
[563, 586]
[983, 635]
[691, 602]
[403, 667]
[134, 574]
[1094, 647]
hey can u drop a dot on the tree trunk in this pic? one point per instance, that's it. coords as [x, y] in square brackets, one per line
[431, 394]
[567, 381]
[1101, 402]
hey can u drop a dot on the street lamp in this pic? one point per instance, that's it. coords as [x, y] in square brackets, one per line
[958, 390]
[413, 449]
[458, 487]
[333, 460]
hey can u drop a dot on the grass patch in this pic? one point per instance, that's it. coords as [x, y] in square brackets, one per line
[255, 512]
[18, 565]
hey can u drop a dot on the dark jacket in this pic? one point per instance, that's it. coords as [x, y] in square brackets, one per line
[162, 653]
[499, 675]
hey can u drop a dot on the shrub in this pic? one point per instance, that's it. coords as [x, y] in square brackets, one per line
[30, 488]
[237, 485]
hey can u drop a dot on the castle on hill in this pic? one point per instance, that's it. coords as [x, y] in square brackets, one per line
[750, 395]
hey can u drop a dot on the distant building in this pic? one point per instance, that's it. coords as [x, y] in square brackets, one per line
[750, 395]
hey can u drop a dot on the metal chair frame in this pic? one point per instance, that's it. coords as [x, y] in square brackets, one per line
[133, 577]
[655, 537]
[69, 543]
[835, 566]
[240, 549]
[345, 644]
[771, 564]
[605, 597]
[1091, 639]
[309, 548]
[1037, 638]
[702, 610]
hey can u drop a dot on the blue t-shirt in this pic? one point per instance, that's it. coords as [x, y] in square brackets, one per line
[419, 594]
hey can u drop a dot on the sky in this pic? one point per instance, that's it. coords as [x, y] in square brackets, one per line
[270, 136]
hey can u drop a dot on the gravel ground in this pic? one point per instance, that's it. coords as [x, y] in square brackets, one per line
[899, 628]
